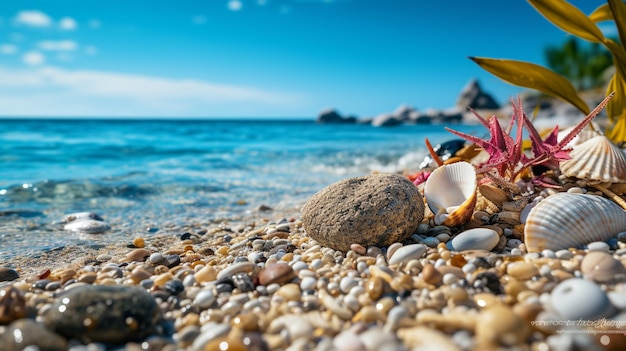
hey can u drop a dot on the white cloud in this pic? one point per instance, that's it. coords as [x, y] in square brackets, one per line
[56, 92]
[234, 5]
[33, 58]
[68, 23]
[91, 50]
[33, 18]
[94, 24]
[198, 19]
[8, 49]
[60, 45]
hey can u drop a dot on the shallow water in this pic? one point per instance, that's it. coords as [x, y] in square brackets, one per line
[145, 174]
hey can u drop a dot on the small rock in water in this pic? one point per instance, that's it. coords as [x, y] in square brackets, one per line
[577, 298]
[79, 216]
[474, 239]
[8, 274]
[87, 226]
[377, 209]
[100, 313]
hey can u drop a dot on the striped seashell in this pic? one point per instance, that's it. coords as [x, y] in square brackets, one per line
[597, 159]
[569, 220]
[450, 193]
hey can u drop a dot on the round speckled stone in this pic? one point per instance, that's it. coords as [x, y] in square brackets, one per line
[100, 313]
[374, 210]
[580, 299]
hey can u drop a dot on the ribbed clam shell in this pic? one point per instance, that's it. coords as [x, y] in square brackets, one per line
[450, 193]
[596, 159]
[566, 220]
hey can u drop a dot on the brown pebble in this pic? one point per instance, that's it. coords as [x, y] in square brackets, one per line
[360, 249]
[368, 314]
[138, 274]
[206, 274]
[602, 268]
[521, 270]
[12, 305]
[139, 242]
[451, 269]
[485, 300]
[88, 278]
[279, 273]
[289, 292]
[374, 287]
[431, 275]
[499, 325]
[246, 321]
[137, 255]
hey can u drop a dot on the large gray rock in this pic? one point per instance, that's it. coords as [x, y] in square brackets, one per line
[386, 120]
[102, 313]
[475, 97]
[374, 210]
[331, 116]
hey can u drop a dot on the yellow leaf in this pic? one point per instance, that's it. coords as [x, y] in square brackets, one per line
[617, 133]
[569, 18]
[601, 14]
[533, 76]
[616, 108]
[618, 9]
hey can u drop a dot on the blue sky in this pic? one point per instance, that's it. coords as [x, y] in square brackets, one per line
[257, 58]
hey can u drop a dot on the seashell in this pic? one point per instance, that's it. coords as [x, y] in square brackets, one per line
[566, 220]
[596, 159]
[580, 138]
[450, 193]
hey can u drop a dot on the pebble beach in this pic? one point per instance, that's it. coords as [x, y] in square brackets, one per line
[321, 276]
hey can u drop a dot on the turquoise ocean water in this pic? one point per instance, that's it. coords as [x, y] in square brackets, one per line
[147, 174]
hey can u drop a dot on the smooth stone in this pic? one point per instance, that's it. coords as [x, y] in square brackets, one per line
[78, 216]
[8, 274]
[26, 334]
[348, 340]
[564, 254]
[431, 275]
[137, 255]
[239, 267]
[99, 313]
[279, 273]
[499, 325]
[426, 339]
[598, 246]
[578, 298]
[521, 270]
[210, 332]
[87, 226]
[12, 304]
[374, 210]
[602, 268]
[474, 239]
[406, 253]
[308, 283]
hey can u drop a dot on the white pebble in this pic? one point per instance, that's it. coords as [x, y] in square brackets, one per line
[347, 283]
[469, 268]
[548, 253]
[449, 279]
[204, 299]
[598, 246]
[564, 254]
[516, 252]
[156, 257]
[299, 265]
[308, 283]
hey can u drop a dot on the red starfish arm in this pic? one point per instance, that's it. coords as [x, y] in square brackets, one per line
[579, 127]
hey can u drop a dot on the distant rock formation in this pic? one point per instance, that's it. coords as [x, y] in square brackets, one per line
[331, 116]
[475, 97]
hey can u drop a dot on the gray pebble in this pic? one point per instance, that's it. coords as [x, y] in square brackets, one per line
[598, 246]
[407, 253]
[101, 313]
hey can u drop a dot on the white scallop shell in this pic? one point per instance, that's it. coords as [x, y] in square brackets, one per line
[568, 220]
[450, 193]
[596, 159]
